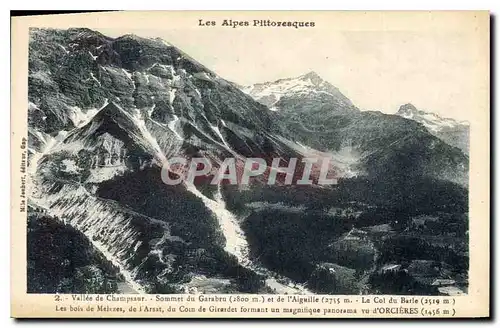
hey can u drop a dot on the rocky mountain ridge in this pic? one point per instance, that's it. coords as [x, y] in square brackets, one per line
[453, 132]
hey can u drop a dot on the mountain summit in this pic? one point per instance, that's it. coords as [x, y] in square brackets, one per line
[407, 109]
[309, 88]
[313, 77]
[453, 132]
[430, 120]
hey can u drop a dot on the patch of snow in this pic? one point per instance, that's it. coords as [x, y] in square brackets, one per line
[408, 116]
[70, 166]
[301, 145]
[236, 243]
[150, 111]
[61, 135]
[165, 67]
[202, 75]
[176, 79]
[49, 143]
[127, 73]
[147, 69]
[94, 78]
[93, 57]
[105, 173]
[172, 71]
[171, 95]
[41, 136]
[282, 87]
[67, 52]
[171, 126]
[42, 75]
[219, 134]
[431, 121]
[197, 92]
[129, 76]
[78, 117]
[248, 89]
[145, 132]
[431, 117]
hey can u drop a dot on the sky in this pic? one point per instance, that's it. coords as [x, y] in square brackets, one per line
[437, 70]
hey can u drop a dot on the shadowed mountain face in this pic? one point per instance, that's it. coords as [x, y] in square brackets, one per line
[104, 114]
[381, 146]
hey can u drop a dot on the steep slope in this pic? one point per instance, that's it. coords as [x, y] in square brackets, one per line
[110, 112]
[53, 268]
[453, 132]
[104, 180]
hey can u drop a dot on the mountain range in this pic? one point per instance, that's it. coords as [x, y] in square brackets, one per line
[311, 93]
[105, 113]
[317, 114]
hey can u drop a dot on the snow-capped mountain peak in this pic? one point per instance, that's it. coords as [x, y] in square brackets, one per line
[313, 77]
[453, 132]
[310, 87]
[430, 120]
[302, 83]
[407, 109]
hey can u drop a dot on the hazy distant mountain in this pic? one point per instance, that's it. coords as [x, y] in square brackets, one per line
[453, 132]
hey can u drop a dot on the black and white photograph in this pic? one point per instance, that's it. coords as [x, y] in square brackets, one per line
[252, 157]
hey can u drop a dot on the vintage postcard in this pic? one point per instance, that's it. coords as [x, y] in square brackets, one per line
[251, 164]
